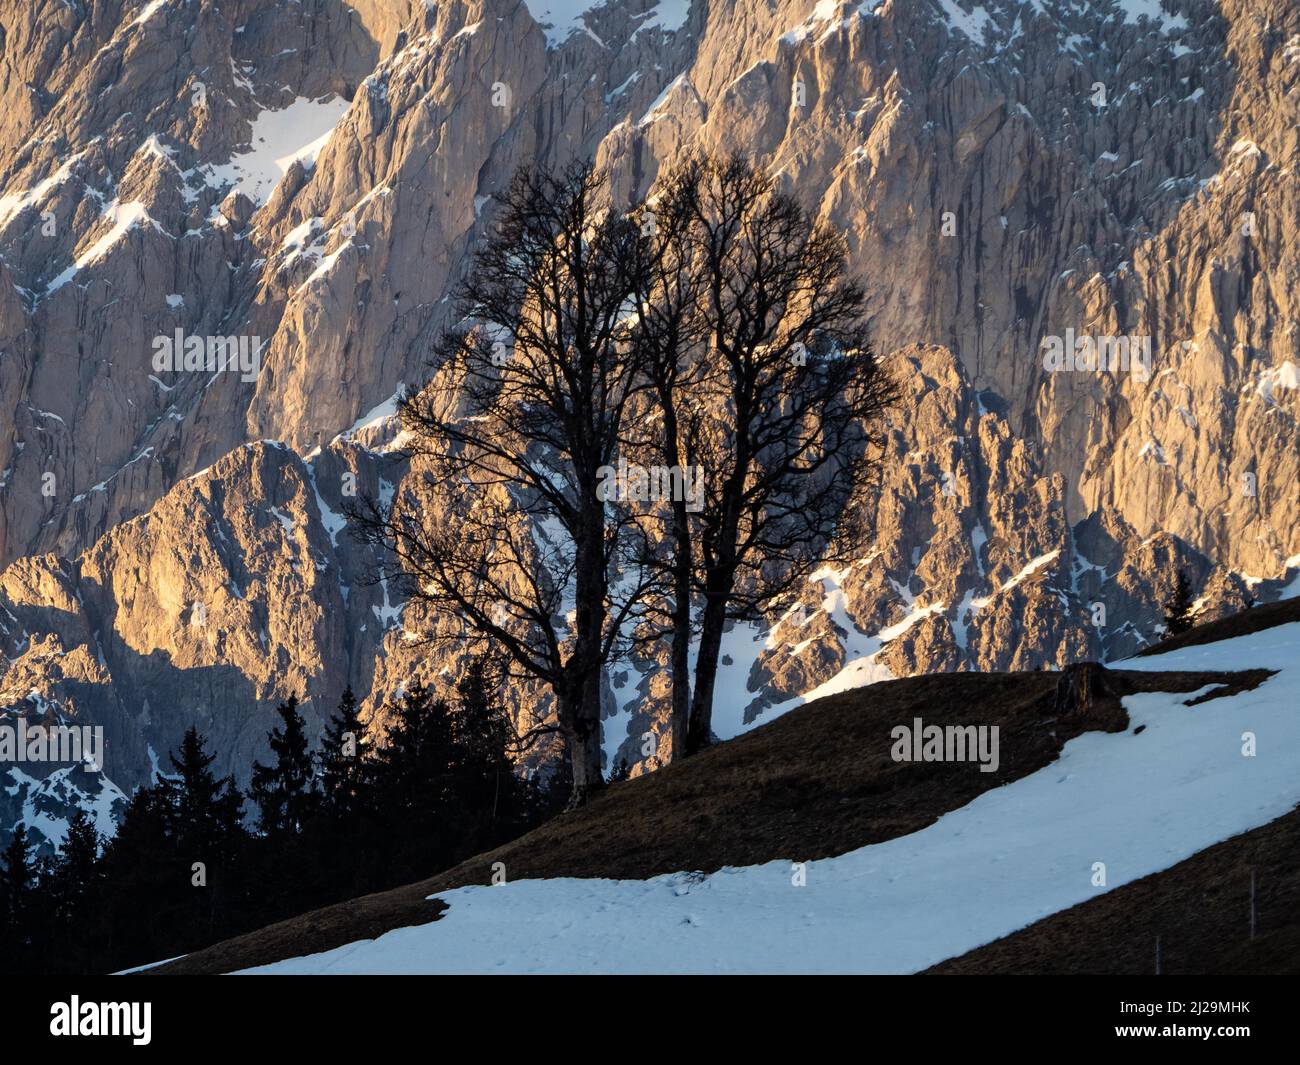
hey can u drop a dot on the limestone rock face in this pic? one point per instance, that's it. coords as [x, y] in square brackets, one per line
[306, 180]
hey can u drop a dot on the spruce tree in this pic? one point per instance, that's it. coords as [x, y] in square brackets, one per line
[18, 874]
[17, 888]
[147, 893]
[342, 759]
[413, 775]
[285, 792]
[76, 870]
[1178, 607]
[416, 760]
[482, 735]
[209, 841]
[73, 892]
[207, 810]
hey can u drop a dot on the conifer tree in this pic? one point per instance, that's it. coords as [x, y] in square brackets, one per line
[415, 762]
[72, 891]
[342, 759]
[1178, 607]
[482, 734]
[414, 785]
[208, 841]
[147, 893]
[207, 810]
[441, 788]
[17, 888]
[285, 792]
[142, 836]
[17, 875]
[76, 871]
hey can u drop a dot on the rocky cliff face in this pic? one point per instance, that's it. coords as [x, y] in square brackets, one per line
[227, 233]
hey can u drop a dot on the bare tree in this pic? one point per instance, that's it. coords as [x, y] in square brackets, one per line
[716, 328]
[666, 341]
[502, 522]
[792, 392]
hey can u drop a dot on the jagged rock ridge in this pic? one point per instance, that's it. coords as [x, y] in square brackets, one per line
[312, 175]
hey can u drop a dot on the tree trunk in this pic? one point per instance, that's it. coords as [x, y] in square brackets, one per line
[680, 672]
[680, 651]
[683, 562]
[581, 732]
[699, 732]
[585, 665]
[1085, 689]
[1080, 686]
[717, 594]
[585, 759]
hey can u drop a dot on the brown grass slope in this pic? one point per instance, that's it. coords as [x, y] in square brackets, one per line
[1199, 908]
[814, 783]
[1242, 623]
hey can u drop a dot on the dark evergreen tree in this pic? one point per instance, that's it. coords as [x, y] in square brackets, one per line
[413, 777]
[76, 871]
[417, 753]
[342, 759]
[209, 838]
[142, 837]
[345, 837]
[18, 875]
[17, 894]
[72, 893]
[1178, 607]
[207, 810]
[180, 871]
[146, 886]
[482, 734]
[286, 792]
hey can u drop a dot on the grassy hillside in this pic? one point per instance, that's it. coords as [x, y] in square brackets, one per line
[814, 783]
[1200, 909]
[1243, 623]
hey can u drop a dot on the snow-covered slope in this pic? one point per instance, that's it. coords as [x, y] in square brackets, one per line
[1139, 801]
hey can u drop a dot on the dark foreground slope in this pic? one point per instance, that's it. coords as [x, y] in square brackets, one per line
[1200, 908]
[814, 783]
[1243, 623]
